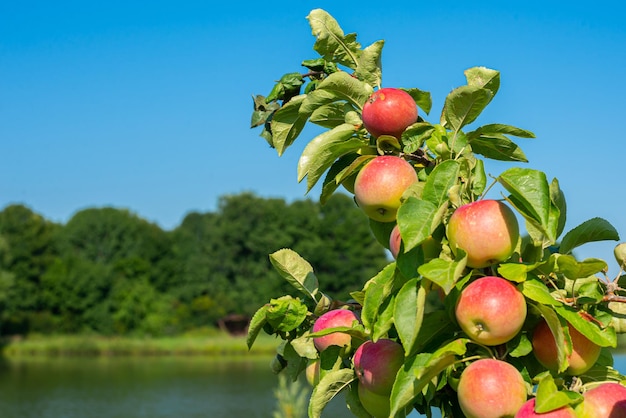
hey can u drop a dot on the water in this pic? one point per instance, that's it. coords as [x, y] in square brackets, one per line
[158, 387]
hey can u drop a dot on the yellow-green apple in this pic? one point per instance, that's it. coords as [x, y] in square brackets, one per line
[389, 111]
[487, 230]
[312, 371]
[490, 388]
[528, 411]
[377, 363]
[430, 246]
[491, 310]
[332, 319]
[607, 400]
[377, 405]
[379, 186]
[583, 356]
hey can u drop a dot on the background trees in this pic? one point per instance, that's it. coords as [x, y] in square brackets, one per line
[109, 271]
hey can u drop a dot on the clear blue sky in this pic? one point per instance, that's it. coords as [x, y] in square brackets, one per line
[146, 105]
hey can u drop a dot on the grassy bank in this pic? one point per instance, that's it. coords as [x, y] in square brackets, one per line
[213, 344]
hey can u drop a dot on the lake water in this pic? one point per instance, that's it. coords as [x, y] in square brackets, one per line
[158, 387]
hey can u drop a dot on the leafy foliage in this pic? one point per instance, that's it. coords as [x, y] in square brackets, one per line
[397, 301]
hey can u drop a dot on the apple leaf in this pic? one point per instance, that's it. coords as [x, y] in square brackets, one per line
[327, 388]
[498, 147]
[409, 312]
[549, 397]
[286, 313]
[287, 123]
[530, 195]
[353, 402]
[436, 328]
[415, 220]
[573, 269]
[422, 98]
[258, 321]
[535, 290]
[339, 86]
[330, 115]
[516, 272]
[440, 181]
[377, 289]
[369, 64]
[384, 319]
[558, 332]
[592, 230]
[558, 214]
[304, 346]
[602, 336]
[331, 43]
[415, 135]
[296, 270]
[483, 77]
[444, 273]
[463, 105]
[499, 129]
[323, 151]
[356, 331]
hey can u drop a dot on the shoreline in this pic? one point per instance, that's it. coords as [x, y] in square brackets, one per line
[215, 344]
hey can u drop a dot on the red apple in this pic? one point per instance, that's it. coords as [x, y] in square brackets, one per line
[430, 246]
[491, 310]
[487, 230]
[389, 111]
[379, 186]
[377, 405]
[332, 319]
[584, 352]
[528, 411]
[608, 400]
[377, 363]
[490, 388]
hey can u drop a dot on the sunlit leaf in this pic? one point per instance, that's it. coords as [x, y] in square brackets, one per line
[592, 230]
[296, 270]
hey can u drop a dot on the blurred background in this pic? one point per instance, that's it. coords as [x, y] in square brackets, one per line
[137, 207]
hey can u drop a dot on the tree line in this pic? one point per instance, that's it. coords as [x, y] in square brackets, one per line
[108, 271]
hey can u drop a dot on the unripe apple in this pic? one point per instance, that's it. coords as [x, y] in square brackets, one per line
[379, 186]
[389, 111]
[490, 388]
[584, 354]
[487, 230]
[528, 411]
[377, 405]
[491, 310]
[312, 371]
[607, 400]
[332, 319]
[430, 246]
[620, 254]
[377, 363]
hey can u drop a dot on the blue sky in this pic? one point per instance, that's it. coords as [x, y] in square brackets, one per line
[146, 105]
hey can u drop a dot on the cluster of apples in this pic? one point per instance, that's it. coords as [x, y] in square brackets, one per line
[490, 310]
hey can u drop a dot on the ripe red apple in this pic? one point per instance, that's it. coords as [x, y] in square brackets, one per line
[607, 400]
[491, 310]
[584, 352]
[490, 388]
[388, 111]
[528, 411]
[377, 405]
[379, 186]
[377, 363]
[487, 230]
[331, 319]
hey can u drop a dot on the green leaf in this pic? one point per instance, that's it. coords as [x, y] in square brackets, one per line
[422, 98]
[549, 397]
[296, 270]
[384, 320]
[483, 77]
[440, 181]
[592, 230]
[324, 150]
[258, 321]
[330, 40]
[499, 129]
[444, 273]
[519, 346]
[558, 215]
[463, 105]
[415, 135]
[304, 346]
[327, 388]
[498, 147]
[530, 195]
[287, 123]
[516, 272]
[571, 268]
[286, 313]
[377, 289]
[356, 331]
[604, 337]
[409, 312]
[557, 329]
[369, 68]
[436, 327]
[534, 289]
[339, 86]
[415, 220]
[330, 115]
